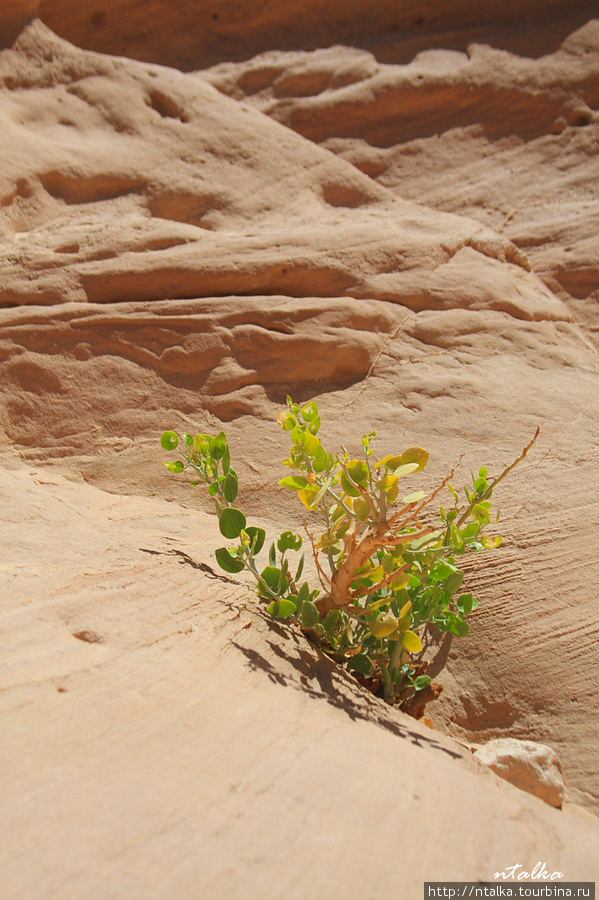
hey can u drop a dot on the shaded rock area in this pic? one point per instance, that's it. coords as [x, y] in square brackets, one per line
[193, 34]
[396, 218]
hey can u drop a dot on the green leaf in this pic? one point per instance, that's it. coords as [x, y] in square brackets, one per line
[275, 579]
[416, 497]
[228, 560]
[426, 541]
[389, 563]
[386, 482]
[422, 682]
[170, 440]
[314, 426]
[358, 471]
[361, 663]
[348, 487]
[218, 445]
[415, 455]
[310, 411]
[391, 461]
[300, 567]
[230, 487]
[459, 627]
[176, 466]
[441, 571]
[294, 482]
[188, 440]
[320, 460]
[456, 537]
[213, 489]
[202, 442]
[465, 604]
[310, 496]
[361, 508]
[282, 609]
[331, 622]
[226, 463]
[383, 627]
[289, 540]
[287, 421]
[304, 592]
[454, 582]
[272, 555]
[310, 614]
[257, 534]
[311, 444]
[405, 469]
[481, 513]
[231, 522]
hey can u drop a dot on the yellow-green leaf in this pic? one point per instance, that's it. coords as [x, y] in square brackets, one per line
[406, 469]
[387, 482]
[415, 455]
[415, 497]
[405, 609]
[362, 508]
[393, 494]
[403, 625]
[311, 444]
[383, 601]
[349, 487]
[357, 470]
[383, 627]
[411, 642]
[308, 497]
[402, 580]
[390, 461]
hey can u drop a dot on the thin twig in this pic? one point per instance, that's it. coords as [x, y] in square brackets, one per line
[494, 483]
[321, 573]
[386, 582]
[416, 512]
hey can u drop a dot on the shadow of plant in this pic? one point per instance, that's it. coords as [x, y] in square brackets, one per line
[320, 678]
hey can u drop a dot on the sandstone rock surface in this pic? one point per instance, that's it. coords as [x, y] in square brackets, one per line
[397, 225]
[532, 767]
[164, 741]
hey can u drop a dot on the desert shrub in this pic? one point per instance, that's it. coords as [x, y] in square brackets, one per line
[388, 569]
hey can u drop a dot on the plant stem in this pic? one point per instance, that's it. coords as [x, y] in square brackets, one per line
[394, 659]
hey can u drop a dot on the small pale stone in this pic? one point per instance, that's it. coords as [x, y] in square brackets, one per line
[532, 767]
